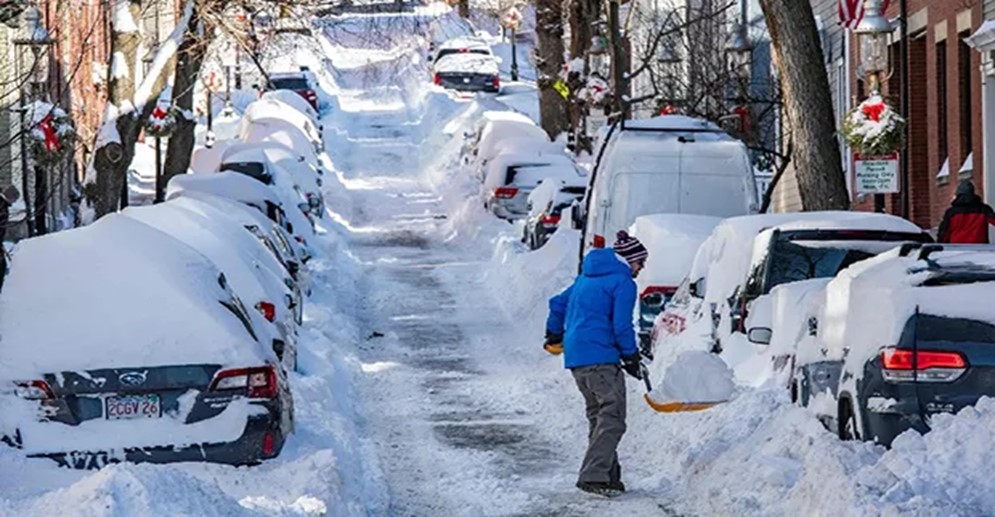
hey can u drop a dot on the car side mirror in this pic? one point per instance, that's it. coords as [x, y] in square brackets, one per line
[759, 336]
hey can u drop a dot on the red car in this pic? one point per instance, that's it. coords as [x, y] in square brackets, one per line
[298, 82]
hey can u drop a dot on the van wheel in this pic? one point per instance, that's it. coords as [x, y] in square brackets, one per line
[846, 422]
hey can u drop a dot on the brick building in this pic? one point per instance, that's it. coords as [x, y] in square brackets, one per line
[983, 41]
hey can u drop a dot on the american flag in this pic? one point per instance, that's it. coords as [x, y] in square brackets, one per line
[852, 11]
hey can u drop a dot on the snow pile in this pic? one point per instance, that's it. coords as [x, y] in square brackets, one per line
[672, 241]
[696, 377]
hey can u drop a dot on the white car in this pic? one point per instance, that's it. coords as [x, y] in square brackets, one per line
[231, 250]
[468, 73]
[481, 144]
[462, 45]
[153, 359]
[270, 110]
[512, 176]
[276, 165]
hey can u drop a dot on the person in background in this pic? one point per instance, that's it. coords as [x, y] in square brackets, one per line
[967, 219]
[8, 197]
[591, 322]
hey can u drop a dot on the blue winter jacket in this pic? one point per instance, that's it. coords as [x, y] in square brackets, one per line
[595, 313]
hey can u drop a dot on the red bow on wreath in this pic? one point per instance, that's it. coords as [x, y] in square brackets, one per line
[51, 139]
[873, 111]
[158, 112]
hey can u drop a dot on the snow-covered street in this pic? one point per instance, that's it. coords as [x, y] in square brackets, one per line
[423, 388]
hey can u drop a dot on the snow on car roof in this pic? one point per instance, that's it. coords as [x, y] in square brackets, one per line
[672, 123]
[287, 75]
[129, 296]
[527, 144]
[284, 133]
[265, 110]
[468, 63]
[465, 42]
[293, 100]
[489, 116]
[231, 185]
[495, 132]
[672, 241]
[565, 172]
[497, 168]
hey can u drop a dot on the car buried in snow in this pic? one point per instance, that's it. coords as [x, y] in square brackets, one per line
[546, 204]
[468, 73]
[153, 359]
[724, 304]
[301, 82]
[899, 339]
[512, 176]
[276, 165]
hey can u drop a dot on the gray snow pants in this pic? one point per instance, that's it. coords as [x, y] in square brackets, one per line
[603, 387]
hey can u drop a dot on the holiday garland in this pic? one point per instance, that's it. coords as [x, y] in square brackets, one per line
[874, 128]
[51, 133]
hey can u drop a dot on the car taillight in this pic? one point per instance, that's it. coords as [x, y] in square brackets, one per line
[550, 220]
[898, 365]
[505, 192]
[34, 390]
[268, 310]
[496, 81]
[437, 79]
[257, 383]
[599, 241]
[311, 95]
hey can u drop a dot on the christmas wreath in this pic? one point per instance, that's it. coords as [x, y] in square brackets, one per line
[163, 119]
[51, 133]
[874, 128]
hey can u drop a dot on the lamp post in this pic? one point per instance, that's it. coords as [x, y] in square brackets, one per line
[36, 38]
[739, 60]
[873, 31]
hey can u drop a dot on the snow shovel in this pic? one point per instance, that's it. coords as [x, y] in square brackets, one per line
[671, 406]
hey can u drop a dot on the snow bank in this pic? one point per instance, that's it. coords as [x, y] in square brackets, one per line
[696, 377]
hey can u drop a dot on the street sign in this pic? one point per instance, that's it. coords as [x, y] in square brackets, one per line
[561, 88]
[876, 174]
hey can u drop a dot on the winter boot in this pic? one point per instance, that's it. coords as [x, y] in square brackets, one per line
[602, 489]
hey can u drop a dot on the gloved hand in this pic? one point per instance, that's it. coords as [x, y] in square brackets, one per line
[554, 343]
[632, 365]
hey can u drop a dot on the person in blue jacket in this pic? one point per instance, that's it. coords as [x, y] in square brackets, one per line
[593, 322]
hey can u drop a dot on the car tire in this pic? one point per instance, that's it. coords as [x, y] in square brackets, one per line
[795, 399]
[846, 421]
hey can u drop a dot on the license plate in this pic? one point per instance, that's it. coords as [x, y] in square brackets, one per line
[132, 406]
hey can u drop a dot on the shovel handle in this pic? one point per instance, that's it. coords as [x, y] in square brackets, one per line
[646, 377]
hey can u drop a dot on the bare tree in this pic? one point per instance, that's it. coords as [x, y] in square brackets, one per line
[549, 63]
[808, 102]
[190, 58]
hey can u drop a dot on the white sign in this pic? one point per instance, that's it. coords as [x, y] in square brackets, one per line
[596, 121]
[876, 174]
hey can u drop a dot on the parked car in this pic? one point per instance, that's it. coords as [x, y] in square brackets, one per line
[273, 112]
[461, 45]
[494, 127]
[672, 241]
[468, 73]
[668, 164]
[899, 339]
[512, 176]
[154, 359]
[298, 103]
[546, 204]
[276, 165]
[271, 300]
[745, 258]
[301, 82]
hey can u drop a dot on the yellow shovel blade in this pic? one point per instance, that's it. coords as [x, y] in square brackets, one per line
[677, 407]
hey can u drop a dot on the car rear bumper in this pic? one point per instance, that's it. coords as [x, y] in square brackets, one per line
[246, 450]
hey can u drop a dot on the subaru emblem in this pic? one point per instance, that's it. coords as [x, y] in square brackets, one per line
[132, 378]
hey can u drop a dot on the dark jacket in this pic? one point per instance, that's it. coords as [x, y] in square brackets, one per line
[966, 221]
[595, 313]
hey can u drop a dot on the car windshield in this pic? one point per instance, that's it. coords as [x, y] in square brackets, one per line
[290, 83]
[254, 170]
[940, 329]
[450, 51]
[794, 262]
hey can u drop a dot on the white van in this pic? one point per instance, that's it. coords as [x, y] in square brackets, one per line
[670, 164]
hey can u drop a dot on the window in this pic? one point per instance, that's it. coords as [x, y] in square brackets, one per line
[966, 116]
[941, 101]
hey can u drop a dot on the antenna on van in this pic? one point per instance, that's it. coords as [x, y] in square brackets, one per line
[590, 190]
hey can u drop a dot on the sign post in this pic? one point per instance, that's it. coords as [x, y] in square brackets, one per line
[876, 174]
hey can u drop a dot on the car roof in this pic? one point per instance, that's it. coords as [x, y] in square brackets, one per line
[288, 75]
[232, 185]
[130, 296]
[465, 42]
[467, 63]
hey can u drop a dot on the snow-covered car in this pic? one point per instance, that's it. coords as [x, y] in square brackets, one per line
[289, 135]
[276, 165]
[232, 251]
[153, 359]
[901, 338]
[300, 82]
[668, 164]
[461, 45]
[268, 110]
[546, 204]
[746, 257]
[672, 241]
[297, 102]
[482, 143]
[468, 73]
[245, 190]
[512, 176]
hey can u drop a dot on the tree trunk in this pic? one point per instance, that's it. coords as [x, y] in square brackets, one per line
[549, 62]
[808, 102]
[190, 58]
[464, 8]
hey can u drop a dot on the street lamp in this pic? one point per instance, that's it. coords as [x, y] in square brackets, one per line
[873, 31]
[36, 38]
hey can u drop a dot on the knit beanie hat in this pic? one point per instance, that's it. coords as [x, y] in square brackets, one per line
[630, 248]
[965, 188]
